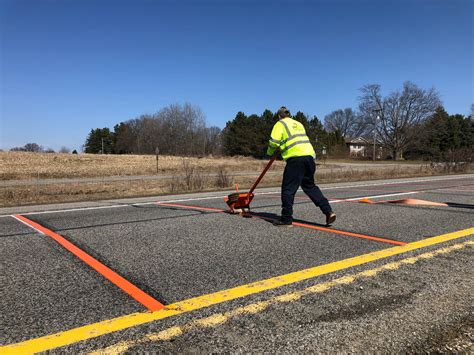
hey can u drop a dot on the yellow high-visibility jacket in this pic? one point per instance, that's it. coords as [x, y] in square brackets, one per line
[290, 136]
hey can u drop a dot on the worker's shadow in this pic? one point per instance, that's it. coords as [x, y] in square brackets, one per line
[272, 217]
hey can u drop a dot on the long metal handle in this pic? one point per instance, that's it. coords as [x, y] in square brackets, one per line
[269, 164]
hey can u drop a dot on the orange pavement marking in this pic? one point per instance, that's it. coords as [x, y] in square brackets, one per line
[140, 296]
[303, 225]
[350, 234]
[190, 207]
[414, 201]
[406, 201]
[366, 200]
[336, 231]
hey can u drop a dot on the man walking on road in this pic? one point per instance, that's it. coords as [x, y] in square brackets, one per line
[289, 136]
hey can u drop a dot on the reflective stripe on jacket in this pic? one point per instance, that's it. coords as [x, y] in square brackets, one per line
[290, 136]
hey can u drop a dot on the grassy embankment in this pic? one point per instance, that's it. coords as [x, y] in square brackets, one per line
[185, 175]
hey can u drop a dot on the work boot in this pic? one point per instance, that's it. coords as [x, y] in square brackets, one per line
[330, 218]
[282, 223]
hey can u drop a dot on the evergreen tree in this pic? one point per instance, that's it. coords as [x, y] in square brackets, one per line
[97, 139]
[317, 134]
[442, 133]
[235, 136]
[301, 117]
[249, 135]
[123, 138]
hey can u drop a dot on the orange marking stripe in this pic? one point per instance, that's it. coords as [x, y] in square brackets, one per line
[190, 207]
[406, 201]
[140, 296]
[350, 234]
[303, 225]
[335, 231]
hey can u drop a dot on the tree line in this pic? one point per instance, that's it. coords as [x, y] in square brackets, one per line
[443, 136]
[249, 135]
[174, 130]
[36, 148]
[409, 123]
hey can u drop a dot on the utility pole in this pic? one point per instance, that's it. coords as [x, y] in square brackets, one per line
[102, 145]
[375, 130]
[157, 153]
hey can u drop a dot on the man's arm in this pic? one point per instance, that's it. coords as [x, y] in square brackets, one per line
[276, 138]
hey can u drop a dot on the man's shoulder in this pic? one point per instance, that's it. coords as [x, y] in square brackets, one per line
[293, 123]
[290, 120]
[286, 120]
[279, 123]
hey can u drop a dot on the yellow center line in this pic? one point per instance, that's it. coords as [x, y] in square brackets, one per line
[253, 308]
[90, 331]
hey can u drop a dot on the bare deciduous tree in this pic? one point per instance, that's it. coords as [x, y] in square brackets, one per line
[399, 112]
[213, 140]
[29, 147]
[346, 121]
[176, 130]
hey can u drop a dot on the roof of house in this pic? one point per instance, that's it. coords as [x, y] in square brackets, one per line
[358, 140]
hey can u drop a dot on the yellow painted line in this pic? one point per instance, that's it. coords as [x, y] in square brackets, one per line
[90, 331]
[253, 308]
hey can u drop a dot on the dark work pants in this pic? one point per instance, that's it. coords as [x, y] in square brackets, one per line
[299, 171]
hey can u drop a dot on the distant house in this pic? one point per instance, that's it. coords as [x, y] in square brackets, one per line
[361, 147]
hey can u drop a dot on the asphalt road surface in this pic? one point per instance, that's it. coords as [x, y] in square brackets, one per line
[178, 274]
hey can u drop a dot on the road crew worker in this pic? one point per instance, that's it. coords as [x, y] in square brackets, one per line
[289, 136]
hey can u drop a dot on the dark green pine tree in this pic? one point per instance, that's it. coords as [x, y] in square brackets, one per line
[317, 134]
[461, 131]
[467, 132]
[435, 138]
[454, 133]
[123, 139]
[248, 135]
[443, 132]
[97, 139]
[93, 142]
[234, 135]
[266, 121]
[301, 117]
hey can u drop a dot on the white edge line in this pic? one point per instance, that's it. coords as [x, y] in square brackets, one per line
[192, 199]
[398, 182]
[222, 196]
[26, 224]
[72, 210]
[156, 202]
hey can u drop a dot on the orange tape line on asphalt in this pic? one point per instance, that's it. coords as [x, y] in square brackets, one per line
[140, 296]
[303, 225]
[336, 231]
[190, 207]
[350, 234]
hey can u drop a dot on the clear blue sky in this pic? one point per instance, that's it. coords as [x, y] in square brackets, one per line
[72, 65]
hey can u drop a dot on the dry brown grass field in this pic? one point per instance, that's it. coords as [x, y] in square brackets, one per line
[24, 165]
[187, 175]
